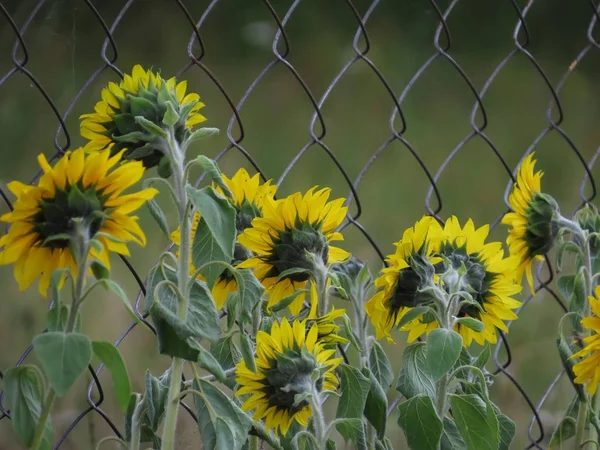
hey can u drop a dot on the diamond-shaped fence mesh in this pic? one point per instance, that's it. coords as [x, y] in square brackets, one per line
[406, 107]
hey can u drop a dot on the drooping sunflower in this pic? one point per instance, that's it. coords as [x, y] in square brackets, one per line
[491, 280]
[290, 229]
[533, 230]
[407, 273]
[80, 186]
[143, 93]
[587, 371]
[249, 196]
[285, 360]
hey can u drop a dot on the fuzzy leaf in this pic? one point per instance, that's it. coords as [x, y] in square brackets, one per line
[476, 422]
[442, 350]
[420, 422]
[376, 405]
[355, 388]
[414, 378]
[110, 356]
[380, 366]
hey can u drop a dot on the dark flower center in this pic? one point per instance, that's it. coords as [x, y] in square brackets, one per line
[290, 252]
[56, 215]
[289, 374]
[541, 230]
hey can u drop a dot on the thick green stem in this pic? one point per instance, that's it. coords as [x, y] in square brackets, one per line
[323, 295]
[318, 418]
[82, 247]
[254, 443]
[136, 424]
[580, 428]
[441, 392]
[183, 274]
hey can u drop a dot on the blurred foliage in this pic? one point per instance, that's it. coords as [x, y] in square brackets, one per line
[64, 40]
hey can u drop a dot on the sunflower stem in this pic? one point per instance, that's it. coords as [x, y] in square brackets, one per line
[177, 162]
[318, 418]
[441, 392]
[81, 249]
[254, 443]
[323, 295]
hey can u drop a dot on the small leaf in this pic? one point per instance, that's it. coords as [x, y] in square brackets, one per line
[380, 366]
[250, 292]
[150, 127]
[216, 232]
[442, 349]
[476, 422]
[376, 405]
[451, 438]
[58, 317]
[63, 357]
[210, 363]
[566, 429]
[247, 352]
[471, 323]
[171, 116]
[483, 357]
[565, 352]
[209, 165]
[156, 392]
[24, 399]
[159, 216]
[565, 286]
[99, 270]
[420, 422]
[414, 378]
[578, 300]
[110, 356]
[412, 314]
[202, 133]
[355, 388]
[353, 430]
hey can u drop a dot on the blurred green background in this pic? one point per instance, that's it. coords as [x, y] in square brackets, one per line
[64, 41]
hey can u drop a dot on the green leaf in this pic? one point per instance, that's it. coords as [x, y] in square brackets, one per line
[156, 392]
[63, 357]
[159, 216]
[355, 388]
[250, 292]
[483, 357]
[506, 429]
[171, 116]
[110, 356]
[270, 437]
[150, 127]
[451, 438]
[99, 270]
[476, 422]
[202, 133]
[330, 445]
[578, 300]
[414, 378]
[174, 335]
[565, 286]
[442, 350]
[376, 404]
[565, 352]
[567, 427]
[380, 366]
[209, 165]
[353, 430]
[214, 406]
[226, 352]
[58, 317]
[471, 323]
[210, 363]
[24, 399]
[420, 422]
[247, 352]
[225, 435]
[412, 315]
[216, 233]
[114, 287]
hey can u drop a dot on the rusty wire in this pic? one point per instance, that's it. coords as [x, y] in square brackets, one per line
[317, 130]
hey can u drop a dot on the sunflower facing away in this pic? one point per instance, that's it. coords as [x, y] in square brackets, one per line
[533, 230]
[588, 369]
[143, 93]
[249, 196]
[398, 283]
[285, 360]
[490, 278]
[80, 186]
[289, 229]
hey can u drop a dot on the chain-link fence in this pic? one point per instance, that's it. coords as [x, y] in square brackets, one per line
[408, 108]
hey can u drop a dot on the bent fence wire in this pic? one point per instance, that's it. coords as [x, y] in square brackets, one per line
[537, 430]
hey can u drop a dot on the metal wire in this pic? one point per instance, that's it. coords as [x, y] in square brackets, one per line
[362, 45]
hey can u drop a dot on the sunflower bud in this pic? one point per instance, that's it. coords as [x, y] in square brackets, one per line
[354, 278]
[589, 219]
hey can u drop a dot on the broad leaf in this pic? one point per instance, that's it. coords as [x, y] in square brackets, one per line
[476, 422]
[110, 356]
[24, 399]
[376, 405]
[565, 286]
[63, 357]
[451, 438]
[507, 430]
[210, 363]
[380, 366]
[442, 350]
[420, 422]
[250, 292]
[566, 429]
[355, 388]
[226, 352]
[353, 430]
[216, 232]
[414, 378]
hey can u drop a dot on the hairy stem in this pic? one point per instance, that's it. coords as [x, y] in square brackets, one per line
[318, 418]
[176, 158]
[441, 392]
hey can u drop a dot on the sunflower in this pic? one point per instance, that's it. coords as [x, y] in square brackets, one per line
[327, 328]
[398, 284]
[143, 93]
[490, 279]
[80, 186]
[249, 196]
[587, 371]
[286, 359]
[533, 230]
[294, 233]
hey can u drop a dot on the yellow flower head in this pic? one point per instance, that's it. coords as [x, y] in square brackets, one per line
[285, 360]
[398, 283]
[289, 229]
[491, 279]
[587, 371]
[533, 230]
[80, 186]
[249, 196]
[143, 93]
